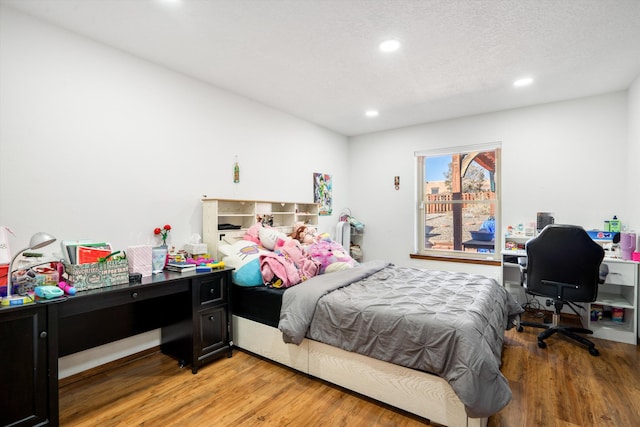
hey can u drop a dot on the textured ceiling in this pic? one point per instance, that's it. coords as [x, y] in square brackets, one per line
[318, 59]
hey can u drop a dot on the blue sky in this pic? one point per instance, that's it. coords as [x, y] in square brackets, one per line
[436, 168]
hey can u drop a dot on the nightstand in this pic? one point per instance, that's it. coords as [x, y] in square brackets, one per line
[206, 334]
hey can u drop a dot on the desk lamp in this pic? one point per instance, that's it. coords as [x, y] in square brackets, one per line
[38, 240]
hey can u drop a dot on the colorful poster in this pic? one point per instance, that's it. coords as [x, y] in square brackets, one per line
[322, 192]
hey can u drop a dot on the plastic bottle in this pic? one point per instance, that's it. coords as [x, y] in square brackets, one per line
[614, 224]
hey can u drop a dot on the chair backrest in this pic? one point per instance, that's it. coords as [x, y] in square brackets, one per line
[565, 254]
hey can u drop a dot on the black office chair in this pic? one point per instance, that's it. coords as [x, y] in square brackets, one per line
[563, 264]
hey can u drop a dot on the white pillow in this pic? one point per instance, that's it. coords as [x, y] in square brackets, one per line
[244, 257]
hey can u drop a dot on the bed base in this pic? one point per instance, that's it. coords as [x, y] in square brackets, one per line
[425, 395]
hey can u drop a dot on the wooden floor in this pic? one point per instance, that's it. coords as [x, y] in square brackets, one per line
[561, 385]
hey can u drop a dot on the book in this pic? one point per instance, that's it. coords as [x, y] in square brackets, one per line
[181, 267]
[89, 255]
[70, 248]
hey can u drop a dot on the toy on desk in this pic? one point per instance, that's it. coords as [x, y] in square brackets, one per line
[48, 291]
[67, 288]
[209, 267]
[219, 264]
[200, 260]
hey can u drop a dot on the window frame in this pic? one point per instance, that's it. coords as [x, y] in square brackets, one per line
[420, 202]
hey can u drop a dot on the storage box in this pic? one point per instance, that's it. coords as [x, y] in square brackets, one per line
[600, 235]
[617, 314]
[196, 248]
[140, 259]
[97, 275]
[4, 273]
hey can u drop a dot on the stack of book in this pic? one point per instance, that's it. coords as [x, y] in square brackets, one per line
[181, 267]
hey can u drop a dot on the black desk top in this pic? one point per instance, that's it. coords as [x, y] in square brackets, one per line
[93, 297]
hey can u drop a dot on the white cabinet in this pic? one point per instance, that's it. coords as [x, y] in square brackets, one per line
[620, 291]
[226, 220]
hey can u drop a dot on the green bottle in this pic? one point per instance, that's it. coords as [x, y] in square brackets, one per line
[614, 224]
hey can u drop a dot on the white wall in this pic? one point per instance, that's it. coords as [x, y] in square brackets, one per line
[567, 157]
[633, 158]
[98, 144]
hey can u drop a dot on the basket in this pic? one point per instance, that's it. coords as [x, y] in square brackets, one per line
[484, 236]
[97, 275]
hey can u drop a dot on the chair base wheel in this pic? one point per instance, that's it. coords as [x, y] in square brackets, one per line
[594, 351]
[542, 344]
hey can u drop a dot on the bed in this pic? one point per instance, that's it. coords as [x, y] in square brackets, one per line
[436, 345]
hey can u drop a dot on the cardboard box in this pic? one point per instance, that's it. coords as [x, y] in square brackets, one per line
[600, 235]
[97, 275]
[196, 248]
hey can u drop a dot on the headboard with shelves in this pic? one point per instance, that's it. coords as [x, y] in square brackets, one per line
[227, 220]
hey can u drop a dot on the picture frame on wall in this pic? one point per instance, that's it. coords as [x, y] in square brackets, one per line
[322, 193]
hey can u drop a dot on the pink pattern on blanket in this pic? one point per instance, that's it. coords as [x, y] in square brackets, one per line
[287, 265]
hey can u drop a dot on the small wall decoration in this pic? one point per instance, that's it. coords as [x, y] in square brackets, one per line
[322, 188]
[236, 171]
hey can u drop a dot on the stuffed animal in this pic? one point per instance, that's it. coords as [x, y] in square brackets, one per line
[271, 238]
[331, 256]
[304, 234]
[253, 233]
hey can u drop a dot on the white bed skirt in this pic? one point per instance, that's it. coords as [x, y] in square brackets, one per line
[425, 395]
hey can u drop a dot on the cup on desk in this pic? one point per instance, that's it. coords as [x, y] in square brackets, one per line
[158, 259]
[627, 245]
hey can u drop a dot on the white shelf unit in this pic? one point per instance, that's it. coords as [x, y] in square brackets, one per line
[357, 238]
[620, 290]
[245, 213]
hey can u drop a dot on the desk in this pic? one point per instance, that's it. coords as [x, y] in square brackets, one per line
[620, 290]
[191, 309]
[478, 244]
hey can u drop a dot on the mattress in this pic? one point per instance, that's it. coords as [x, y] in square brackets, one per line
[260, 303]
[448, 323]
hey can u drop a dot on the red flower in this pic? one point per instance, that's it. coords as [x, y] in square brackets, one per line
[163, 232]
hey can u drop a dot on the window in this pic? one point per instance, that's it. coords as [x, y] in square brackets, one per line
[458, 201]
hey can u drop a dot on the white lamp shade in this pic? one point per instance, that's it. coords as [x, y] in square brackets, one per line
[40, 240]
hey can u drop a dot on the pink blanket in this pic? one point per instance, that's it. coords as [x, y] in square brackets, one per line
[287, 265]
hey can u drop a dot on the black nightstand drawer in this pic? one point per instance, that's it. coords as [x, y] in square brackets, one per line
[213, 290]
[213, 331]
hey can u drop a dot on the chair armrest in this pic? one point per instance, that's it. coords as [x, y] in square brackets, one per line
[602, 275]
[522, 263]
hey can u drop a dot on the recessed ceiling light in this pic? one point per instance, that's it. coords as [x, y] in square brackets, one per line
[371, 113]
[523, 82]
[389, 45]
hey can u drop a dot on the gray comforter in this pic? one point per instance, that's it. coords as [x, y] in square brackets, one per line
[446, 323]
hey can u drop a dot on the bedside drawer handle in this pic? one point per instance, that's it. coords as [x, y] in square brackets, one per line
[212, 291]
[43, 334]
[212, 318]
[134, 295]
